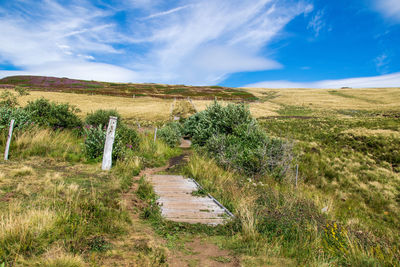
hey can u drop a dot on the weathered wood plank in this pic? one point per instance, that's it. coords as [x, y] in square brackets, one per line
[178, 204]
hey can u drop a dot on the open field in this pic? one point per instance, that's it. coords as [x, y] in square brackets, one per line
[311, 101]
[132, 109]
[325, 99]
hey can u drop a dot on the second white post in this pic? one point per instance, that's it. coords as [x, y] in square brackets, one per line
[10, 132]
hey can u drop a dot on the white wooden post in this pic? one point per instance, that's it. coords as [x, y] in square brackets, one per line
[297, 173]
[10, 132]
[108, 146]
[190, 100]
[155, 134]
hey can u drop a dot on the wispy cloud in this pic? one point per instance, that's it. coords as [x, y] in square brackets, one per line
[317, 23]
[163, 13]
[389, 8]
[382, 62]
[194, 42]
[389, 80]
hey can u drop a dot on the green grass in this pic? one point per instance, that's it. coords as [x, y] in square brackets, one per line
[53, 200]
[354, 162]
[287, 110]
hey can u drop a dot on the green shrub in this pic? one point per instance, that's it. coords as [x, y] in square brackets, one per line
[171, 133]
[51, 114]
[250, 152]
[94, 141]
[129, 137]
[22, 117]
[216, 119]
[8, 100]
[21, 90]
[101, 117]
[235, 140]
[95, 137]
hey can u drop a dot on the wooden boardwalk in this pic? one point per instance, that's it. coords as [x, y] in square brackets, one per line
[179, 205]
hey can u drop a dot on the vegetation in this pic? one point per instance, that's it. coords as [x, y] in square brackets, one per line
[58, 209]
[234, 139]
[126, 138]
[52, 114]
[130, 90]
[101, 117]
[171, 133]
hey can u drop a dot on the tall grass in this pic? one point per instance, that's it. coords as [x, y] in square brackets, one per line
[57, 213]
[44, 143]
[276, 219]
[154, 154]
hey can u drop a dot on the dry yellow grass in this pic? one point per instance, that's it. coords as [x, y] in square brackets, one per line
[156, 109]
[366, 99]
[144, 108]
[370, 132]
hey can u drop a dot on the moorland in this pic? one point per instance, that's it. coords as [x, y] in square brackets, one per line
[341, 208]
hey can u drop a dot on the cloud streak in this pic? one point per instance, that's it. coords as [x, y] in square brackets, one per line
[317, 23]
[193, 42]
[389, 80]
[389, 8]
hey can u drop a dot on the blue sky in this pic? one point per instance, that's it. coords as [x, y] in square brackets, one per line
[259, 43]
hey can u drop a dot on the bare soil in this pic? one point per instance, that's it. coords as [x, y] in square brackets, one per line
[200, 252]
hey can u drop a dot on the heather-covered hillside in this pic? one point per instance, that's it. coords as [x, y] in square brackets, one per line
[53, 84]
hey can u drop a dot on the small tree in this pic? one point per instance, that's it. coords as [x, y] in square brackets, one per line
[8, 100]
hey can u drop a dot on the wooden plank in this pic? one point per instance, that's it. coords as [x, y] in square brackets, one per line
[178, 204]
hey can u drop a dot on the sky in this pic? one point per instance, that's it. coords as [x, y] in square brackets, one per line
[237, 43]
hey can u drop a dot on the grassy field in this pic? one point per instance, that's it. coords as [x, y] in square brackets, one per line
[343, 212]
[325, 100]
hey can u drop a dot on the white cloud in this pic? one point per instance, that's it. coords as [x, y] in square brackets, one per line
[382, 62]
[80, 70]
[317, 23]
[389, 8]
[163, 13]
[389, 80]
[194, 42]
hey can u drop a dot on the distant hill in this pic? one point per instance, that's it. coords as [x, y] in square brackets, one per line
[54, 84]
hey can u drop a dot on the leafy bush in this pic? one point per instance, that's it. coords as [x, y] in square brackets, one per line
[128, 136]
[52, 114]
[22, 117]
[21, 90]
[234, 139]
[101, 117]
[94, 141]
[216, 119]
[125, 139]
[8, 100]
[171, 133]
[95, 131]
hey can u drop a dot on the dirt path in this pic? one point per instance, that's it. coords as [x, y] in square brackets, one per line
[200, 252]
[196, 251]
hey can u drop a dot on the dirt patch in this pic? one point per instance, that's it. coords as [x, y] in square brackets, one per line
[178, 160]
[202, 253]
[7, 197]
